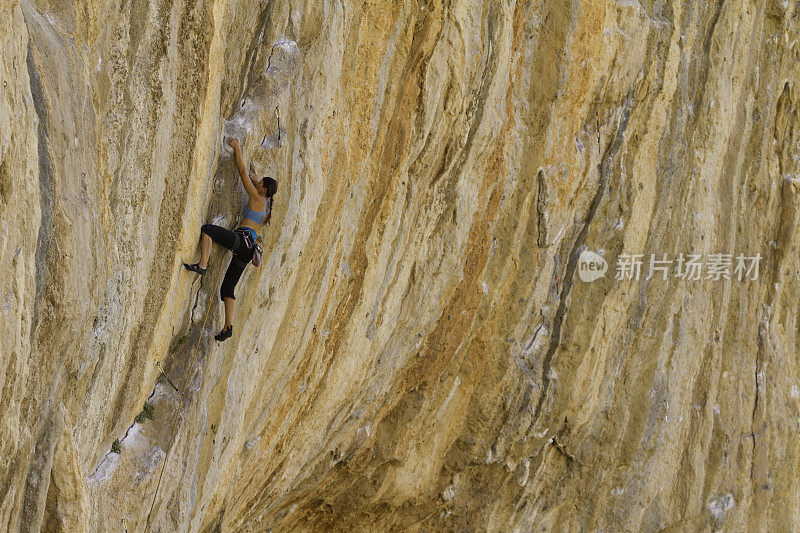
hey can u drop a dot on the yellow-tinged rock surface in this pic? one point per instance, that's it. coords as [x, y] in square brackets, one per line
[418, 351]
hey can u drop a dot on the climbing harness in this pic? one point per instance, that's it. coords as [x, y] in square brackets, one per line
[251, 244]
[163, 373]
[246, 236]
[180, 402]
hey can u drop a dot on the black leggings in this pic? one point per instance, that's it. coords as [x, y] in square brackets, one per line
[241, 256]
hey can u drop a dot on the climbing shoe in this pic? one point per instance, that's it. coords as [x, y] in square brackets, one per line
[195, 268]
[224, 334]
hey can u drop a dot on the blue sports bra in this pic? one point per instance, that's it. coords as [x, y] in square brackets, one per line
[255, 216]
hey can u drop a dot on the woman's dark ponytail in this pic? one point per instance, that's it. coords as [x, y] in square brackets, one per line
[269, 209]
[272, 187]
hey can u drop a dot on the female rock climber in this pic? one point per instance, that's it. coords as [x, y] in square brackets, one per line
[240, 241]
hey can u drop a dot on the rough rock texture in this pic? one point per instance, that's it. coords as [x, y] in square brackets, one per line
[418, 351]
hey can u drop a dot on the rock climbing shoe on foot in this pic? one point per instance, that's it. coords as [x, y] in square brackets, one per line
[224, 334]
[195, 268]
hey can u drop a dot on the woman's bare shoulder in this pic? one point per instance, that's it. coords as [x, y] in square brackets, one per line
[257, 203]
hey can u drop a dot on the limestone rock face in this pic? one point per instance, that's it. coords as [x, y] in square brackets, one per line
[418, 351]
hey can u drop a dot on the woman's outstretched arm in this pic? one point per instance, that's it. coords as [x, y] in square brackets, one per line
[248, 185]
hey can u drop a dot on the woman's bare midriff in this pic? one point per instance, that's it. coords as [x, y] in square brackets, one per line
[247, 223]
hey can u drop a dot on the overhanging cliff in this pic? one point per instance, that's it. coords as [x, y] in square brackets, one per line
[418, 350]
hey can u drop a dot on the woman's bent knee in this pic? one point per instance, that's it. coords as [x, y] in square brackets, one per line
[223, 237]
